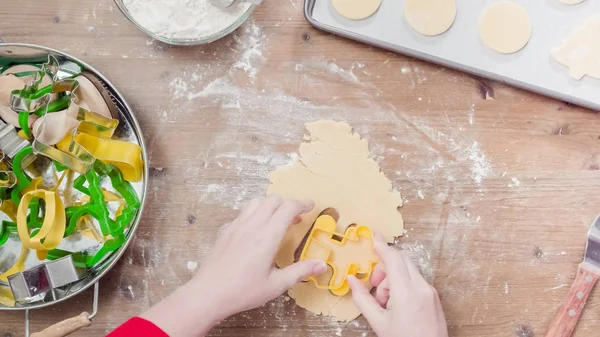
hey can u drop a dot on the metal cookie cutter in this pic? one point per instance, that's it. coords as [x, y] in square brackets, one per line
[346, 254]
[8, 179]
[87, 134]
[35, 283]
[11, 143]
[73, 154]
[31, 97]
[37, 101]
[124, 155]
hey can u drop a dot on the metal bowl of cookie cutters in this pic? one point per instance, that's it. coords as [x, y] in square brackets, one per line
[52, 282]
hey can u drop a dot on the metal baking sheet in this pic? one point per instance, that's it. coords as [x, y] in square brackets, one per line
[532, 68]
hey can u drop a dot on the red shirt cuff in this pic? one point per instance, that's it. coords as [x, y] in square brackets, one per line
[138, 327]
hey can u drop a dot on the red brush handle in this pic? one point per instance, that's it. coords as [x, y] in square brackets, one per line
[566, 319]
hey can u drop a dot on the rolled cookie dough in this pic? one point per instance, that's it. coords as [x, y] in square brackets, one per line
[505, 27]
[430, 17]
[356, 9]
[335, 170]
[581, 51]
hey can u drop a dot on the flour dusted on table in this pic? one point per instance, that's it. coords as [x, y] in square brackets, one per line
[183, 19]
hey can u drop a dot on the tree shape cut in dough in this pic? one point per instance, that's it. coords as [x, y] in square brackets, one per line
[335, 170]
[581, 51]
[350, 253]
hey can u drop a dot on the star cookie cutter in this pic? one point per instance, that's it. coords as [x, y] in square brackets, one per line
[325, 244]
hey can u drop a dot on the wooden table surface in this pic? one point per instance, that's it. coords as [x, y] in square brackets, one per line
[500, 185]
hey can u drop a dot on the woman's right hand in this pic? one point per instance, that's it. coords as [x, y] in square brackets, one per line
[404, 304]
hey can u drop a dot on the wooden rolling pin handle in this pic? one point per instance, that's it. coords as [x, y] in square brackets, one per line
[566, 319]
[65, 327]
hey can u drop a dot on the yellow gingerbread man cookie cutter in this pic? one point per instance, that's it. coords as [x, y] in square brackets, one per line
[350, 253]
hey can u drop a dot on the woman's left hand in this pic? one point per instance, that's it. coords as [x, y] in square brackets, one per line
[239, 272]
[240, 268]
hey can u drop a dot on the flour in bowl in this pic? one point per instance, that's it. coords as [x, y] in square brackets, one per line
[184, 19]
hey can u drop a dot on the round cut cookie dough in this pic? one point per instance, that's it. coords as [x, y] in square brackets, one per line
[571, 2]
[356, 9]
[430, 17]
[505, 27]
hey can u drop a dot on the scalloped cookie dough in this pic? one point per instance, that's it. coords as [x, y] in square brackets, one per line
[580, 52]
[505, 27]
[335, 169]
[430, 17]
[356, 9]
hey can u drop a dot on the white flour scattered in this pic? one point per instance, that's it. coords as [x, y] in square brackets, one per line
[192, 265]
[514, 182]
[419, 75]
[184, 19]
[250, 44]
[471, 114]
[328, 68]
[481, 168]
[557, 287]
[130, 288]
[421, 256]
[463, 149]
[178, 87]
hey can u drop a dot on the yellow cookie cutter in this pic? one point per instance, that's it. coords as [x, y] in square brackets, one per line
[126, 156]
[53, 227]
[324, 243]
[6, 297]
[10, 209]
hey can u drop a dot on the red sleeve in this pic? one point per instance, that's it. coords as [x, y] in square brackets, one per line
[138, 327]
